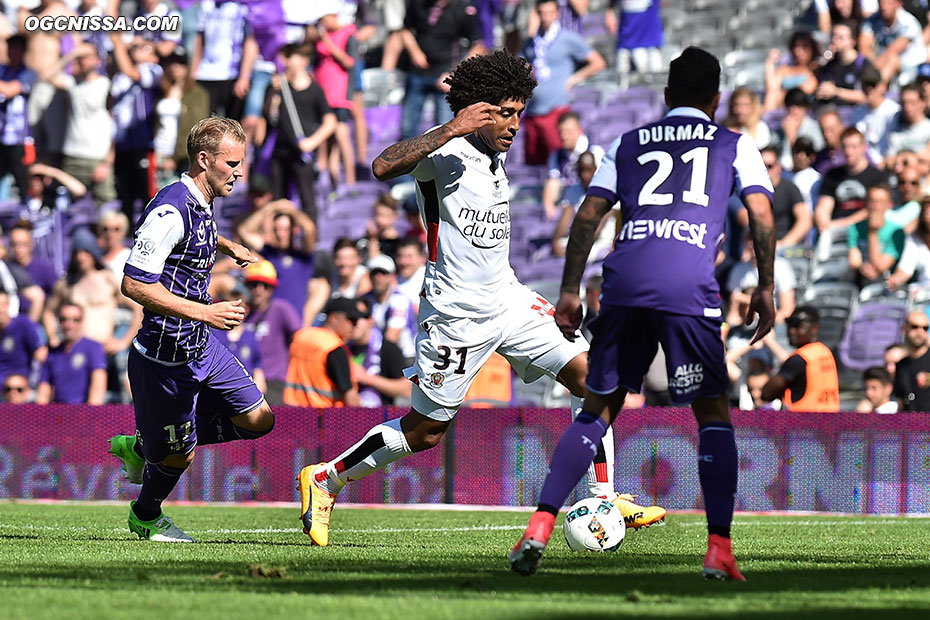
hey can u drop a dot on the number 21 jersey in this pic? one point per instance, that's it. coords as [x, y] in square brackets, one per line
[673, 179]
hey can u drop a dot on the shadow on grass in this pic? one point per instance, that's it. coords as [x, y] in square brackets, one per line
[323, 572]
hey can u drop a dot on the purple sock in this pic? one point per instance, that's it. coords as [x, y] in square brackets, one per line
[571, 460]
[718, 466]
[157, 483]
[219, 429]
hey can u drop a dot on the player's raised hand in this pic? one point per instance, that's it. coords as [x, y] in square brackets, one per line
[568, 315]
[225, 314]
[472, 118]
[761, 304]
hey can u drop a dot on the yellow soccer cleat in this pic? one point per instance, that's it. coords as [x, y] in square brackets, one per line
[316, 504]
[636, 516]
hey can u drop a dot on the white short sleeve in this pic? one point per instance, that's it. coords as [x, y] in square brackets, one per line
[606, 176]
[785, 280]
[749, 167]
[149, 74]
[160, 232]
[398, 307]
[908, 261]
[425, 170]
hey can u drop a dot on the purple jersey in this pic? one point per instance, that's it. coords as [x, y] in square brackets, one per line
[175, 244]
[274, 327]
[673, 179]
[267, 20]
[245, 349]
[295, 270]
[134, 107]
[640, 24]
[68, 371]
[18, 342]
[43, 274]
[14, 125]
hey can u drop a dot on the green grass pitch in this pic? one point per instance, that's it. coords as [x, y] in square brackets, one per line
[78, 561]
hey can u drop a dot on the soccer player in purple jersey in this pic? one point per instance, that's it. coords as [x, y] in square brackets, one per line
[672, 179]
[188, 389]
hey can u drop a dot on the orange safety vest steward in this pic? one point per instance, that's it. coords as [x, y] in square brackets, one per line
[492, 386]
[308, 384]
[823, 388]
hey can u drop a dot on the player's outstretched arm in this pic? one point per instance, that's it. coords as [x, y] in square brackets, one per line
[580, 239]
[238, 252]
[154, 296]
[404, 156]
[762, 228]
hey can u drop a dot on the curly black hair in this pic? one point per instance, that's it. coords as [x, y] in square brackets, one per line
[492, 78]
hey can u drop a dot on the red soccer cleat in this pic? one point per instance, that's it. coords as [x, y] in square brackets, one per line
[527, 553]
[719, 562]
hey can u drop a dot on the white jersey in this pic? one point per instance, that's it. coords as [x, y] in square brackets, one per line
[464, 200]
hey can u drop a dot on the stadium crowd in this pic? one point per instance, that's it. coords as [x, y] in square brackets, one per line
[93, 123]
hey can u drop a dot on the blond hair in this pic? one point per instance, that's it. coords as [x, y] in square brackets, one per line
[117, 217]
[208, 134]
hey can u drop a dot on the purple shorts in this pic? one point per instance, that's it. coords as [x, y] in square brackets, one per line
[625, 341]
[169, 400]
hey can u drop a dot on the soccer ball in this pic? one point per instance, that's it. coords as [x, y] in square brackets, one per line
[594, 524]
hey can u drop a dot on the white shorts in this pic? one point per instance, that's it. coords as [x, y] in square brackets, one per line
[451, 350]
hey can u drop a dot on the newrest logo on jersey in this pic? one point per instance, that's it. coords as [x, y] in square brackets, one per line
[673, 230]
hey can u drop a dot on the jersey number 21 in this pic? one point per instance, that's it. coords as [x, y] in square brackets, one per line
[697, 157]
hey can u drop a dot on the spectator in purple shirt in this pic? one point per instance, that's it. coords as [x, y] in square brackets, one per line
[266, 19]
[224, 54]
[22, 248]
[132, 99]
[15, 84]
[286, 236]
[24, 296]
[20, 345]
[274, 323]
[242, 343]
[76, 370]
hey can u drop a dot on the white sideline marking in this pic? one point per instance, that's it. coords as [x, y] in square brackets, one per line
[740, 514]
[398, 530]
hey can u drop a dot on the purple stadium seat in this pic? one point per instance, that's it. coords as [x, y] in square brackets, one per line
[588, 111]
[545, 269]
[773, 118]
[524, 176]
[584, 94]
[384, 123]
[636, 93]
[363, 188]
[348, 208]
[868, 334]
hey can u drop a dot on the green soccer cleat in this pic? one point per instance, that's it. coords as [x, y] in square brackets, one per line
[123, 447]
[160, 529]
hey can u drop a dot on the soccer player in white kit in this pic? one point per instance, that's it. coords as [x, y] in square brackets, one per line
[472, 303]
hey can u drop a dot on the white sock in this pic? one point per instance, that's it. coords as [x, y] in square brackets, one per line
[381, 446]
[605, 486]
